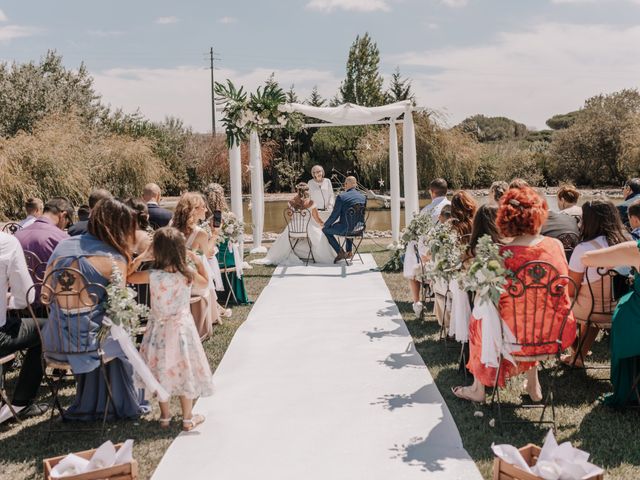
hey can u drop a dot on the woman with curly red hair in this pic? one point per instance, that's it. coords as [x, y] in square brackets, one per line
[521, 214]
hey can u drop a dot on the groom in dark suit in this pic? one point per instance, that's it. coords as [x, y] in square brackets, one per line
[336, 224]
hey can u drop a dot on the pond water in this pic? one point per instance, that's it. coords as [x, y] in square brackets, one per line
[378, 219]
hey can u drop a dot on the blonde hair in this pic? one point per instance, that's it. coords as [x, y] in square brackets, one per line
[316, 167]
[183, 216]
[214, 193]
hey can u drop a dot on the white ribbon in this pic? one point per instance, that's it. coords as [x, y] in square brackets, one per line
[122, 337]
[460, 313]
[493, 343]
[237, 258]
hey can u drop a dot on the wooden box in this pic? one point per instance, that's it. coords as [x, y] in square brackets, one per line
[127, 471]
[505, 471]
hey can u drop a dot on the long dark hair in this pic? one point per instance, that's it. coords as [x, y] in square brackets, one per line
[463, 208]
[170, 251]
[601, 218]
[484, 223]
[114, 223]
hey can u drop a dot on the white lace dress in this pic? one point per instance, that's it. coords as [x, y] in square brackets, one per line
[280, 252]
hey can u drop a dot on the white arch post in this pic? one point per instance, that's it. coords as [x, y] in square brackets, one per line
[235, 173]
[394, 173]
[411, 205]
[257, 192]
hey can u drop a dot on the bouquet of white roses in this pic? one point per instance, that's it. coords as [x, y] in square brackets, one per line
[487, 275]
[121, 307]
[446, 253]
[232, 229]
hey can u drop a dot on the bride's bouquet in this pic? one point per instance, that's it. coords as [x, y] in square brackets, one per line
[232, 229]
[487, 275]
[121, 307]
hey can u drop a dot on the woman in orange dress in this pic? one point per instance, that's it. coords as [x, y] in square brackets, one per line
[521, 215]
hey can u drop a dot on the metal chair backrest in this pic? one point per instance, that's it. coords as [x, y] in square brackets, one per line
[536, 294]
[356, 222]
[36, 267]
[297, 220]
[71, 300]
[603, 301]
[569, 241]
[11, 228]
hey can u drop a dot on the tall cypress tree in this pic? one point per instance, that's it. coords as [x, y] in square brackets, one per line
[315, 99]
[363, 84]
[400, 89]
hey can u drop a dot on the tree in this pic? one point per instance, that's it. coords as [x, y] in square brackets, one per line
[603, 144]
[363, 84]
[492, 129]
[562, 120]
[29, 92]
[315, 99]
[291, 95]
[400, 89]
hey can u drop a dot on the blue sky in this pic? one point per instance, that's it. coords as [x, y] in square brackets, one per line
[526, 59]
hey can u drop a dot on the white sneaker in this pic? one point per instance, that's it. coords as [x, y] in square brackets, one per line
[227, 313]
[417, 308]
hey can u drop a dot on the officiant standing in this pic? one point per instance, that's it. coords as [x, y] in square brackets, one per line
[321, 192]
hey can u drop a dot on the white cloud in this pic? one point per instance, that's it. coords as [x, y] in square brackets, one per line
[455, 3]
[166, 20]
[328, 6]
[11, 32]
[528, 75]
[105, 33]
[3, 17]
[228, 20]
[185, 92]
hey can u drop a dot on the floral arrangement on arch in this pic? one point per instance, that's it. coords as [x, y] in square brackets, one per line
[232, 229]
[121, 307]
[487, 275]
[243, 112]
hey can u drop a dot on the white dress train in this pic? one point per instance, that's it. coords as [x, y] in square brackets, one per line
[280, 252]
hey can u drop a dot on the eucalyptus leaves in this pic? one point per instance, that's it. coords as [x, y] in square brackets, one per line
[487, 274]
[446, 253]
[244, 112]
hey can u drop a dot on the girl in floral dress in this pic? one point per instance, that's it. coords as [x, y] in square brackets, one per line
[171, 345]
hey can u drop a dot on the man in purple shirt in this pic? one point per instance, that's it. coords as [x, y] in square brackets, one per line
[42, 237]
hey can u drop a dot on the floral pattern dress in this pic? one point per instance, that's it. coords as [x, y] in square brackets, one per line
[171, 346]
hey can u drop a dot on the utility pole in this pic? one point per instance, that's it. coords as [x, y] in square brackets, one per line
[213, 98]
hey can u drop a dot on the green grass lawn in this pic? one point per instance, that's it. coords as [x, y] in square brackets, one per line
[610, 436]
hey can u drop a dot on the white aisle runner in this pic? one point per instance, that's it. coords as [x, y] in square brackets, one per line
[322, 381]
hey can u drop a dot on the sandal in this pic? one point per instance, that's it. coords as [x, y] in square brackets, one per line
[459, 392]
[189, 424]
[164, 422]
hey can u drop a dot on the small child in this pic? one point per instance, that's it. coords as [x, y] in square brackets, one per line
[171, 345]
[634, 219]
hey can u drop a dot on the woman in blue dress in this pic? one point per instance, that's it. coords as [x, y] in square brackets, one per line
[111, 232]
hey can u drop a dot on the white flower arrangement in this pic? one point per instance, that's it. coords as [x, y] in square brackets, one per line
[487, 275]
[121, 306]
[232, 229]
[446, 253]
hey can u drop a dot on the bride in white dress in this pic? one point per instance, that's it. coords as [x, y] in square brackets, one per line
[280, 252]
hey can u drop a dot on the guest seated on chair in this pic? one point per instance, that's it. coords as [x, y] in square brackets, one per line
[634, 219]
[568, 197]
[521, 215]
[111, 226]
[601, 228]
[18, 333]
[81, 226]
[33, 207]
[337, 223]
[158, 216]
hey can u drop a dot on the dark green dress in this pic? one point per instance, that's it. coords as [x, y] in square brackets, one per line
[231, 280]
[625, 347]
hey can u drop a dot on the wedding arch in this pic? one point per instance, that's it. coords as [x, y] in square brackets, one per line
[266, 109]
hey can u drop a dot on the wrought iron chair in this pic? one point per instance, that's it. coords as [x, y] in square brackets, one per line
[426, 290]
[37, 267]
[356, 226]
[11, 228]
[69, 299]
[298, 229]
[603, 304]
[7, 359]
[535, 296]
[569, 241]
